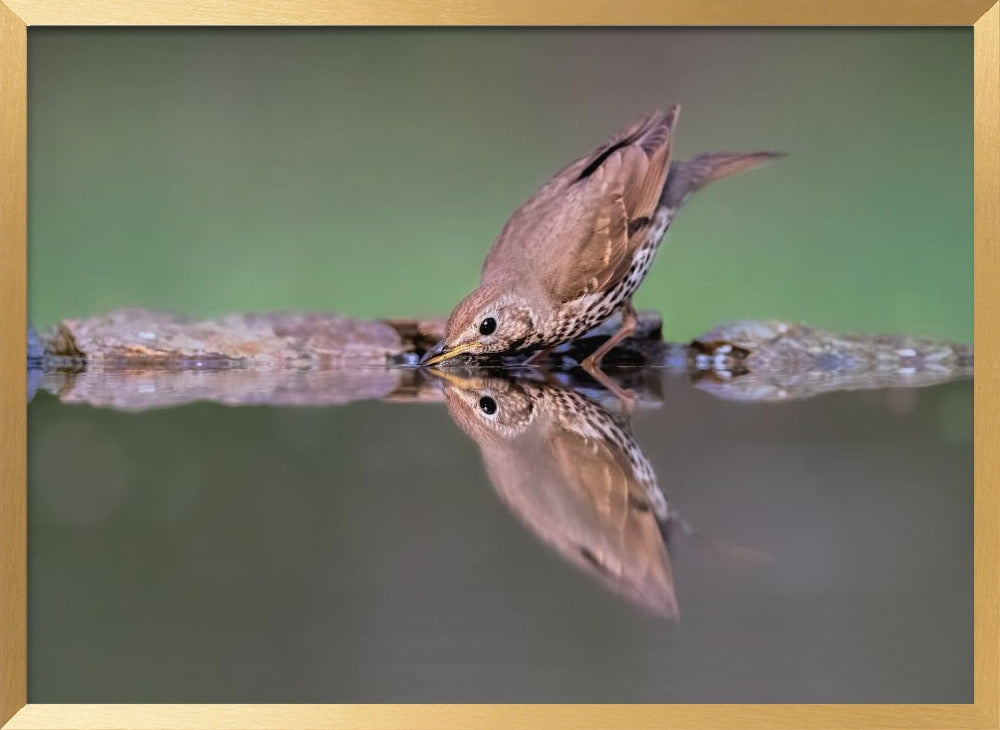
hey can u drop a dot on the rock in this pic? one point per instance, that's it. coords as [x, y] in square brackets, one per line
[138, 359]
[419, 335]
[35, 350]
[35, 356]
[131, 337]
[140, 337]
[773, 360]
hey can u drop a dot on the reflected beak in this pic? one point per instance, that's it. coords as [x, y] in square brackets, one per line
[450, 380]
[440, 353]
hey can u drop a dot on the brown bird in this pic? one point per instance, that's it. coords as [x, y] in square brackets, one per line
[576, 251]
[575, 476]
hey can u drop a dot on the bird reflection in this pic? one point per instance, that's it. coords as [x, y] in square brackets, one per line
[575, 476]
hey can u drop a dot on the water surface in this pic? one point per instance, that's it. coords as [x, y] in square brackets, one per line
[416, 548]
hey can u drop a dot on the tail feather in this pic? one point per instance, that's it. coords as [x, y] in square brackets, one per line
[693, 174]
[720, 550]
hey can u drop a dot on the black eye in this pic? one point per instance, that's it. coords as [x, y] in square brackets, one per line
[487, 405]
[488, 326]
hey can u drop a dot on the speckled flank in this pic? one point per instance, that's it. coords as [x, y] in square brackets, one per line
[580, 415]
[585, 313]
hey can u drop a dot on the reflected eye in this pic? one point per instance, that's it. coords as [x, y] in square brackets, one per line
[487, 405]
[488, 326]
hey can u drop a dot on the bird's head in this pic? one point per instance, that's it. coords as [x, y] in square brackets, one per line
[489, 409]
[491, 319]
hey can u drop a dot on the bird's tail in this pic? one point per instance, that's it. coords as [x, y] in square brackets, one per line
[720, 550]
[690, 175]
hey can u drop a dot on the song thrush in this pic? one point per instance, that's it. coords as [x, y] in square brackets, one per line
[576, 251]
[576, 477]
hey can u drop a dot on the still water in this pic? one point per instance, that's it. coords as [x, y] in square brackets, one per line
[482, 539]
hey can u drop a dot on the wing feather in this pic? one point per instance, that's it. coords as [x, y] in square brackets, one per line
[575, 231]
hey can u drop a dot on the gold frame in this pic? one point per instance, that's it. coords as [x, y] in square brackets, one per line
[17, 15]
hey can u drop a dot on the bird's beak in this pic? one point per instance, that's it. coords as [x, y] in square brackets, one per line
[449, 381]
[440, 352]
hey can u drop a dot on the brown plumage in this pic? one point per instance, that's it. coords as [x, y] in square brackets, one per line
[575, 476]
[573, 234]
[575, 252]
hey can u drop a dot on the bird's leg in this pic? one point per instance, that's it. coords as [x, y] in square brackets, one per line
[592, 365]
[629, 321]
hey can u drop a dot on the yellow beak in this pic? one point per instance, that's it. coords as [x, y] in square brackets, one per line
[440, 353]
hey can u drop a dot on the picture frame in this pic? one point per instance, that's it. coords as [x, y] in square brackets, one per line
[18, 16]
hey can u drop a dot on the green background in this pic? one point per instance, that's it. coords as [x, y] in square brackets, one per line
[367, 171]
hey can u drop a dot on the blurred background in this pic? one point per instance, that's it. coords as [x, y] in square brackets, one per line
[368, 170]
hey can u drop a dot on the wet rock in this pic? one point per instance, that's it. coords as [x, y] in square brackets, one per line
[137, 359]
[418, 335]
[773, 360]
[133, 337]
[136, 336]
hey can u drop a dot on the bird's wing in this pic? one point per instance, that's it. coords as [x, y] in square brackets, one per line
[625, 543]
[579, 496]
[579, 231]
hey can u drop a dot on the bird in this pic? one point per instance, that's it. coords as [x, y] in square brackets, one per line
[575, 476]
[575, 252]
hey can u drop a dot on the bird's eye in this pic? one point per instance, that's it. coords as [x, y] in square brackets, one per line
[488, 326]
[487, 405]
